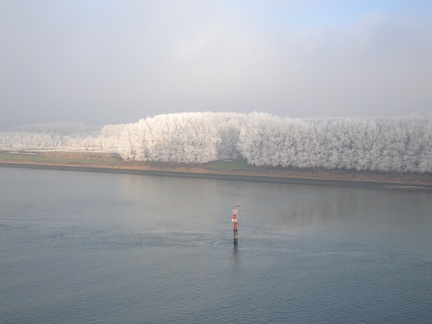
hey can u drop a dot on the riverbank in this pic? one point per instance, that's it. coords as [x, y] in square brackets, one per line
[228, 170]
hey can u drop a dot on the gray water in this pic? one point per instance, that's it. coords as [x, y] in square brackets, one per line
[81, 247]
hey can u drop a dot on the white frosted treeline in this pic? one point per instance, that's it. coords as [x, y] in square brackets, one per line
[402, 144]
[51, 136]
[183, 137]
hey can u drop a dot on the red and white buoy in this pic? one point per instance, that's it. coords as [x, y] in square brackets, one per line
[235, 217]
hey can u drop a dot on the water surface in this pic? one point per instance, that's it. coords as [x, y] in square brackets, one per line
[80, 247]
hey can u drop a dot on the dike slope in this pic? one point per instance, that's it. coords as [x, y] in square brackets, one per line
[228, 170]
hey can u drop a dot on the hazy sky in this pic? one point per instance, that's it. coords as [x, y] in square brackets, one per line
[116, 61]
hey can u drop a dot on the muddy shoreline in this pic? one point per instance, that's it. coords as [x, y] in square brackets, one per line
[107, 164]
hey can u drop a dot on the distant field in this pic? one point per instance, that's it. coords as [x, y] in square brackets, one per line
[228, 165]
[61, 157]
[239, 170]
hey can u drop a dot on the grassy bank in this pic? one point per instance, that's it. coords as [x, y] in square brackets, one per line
[235, 170]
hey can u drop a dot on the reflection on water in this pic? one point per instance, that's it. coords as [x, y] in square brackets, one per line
[83, 247]
[235, 265]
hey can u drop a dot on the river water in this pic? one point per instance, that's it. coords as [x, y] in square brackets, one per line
[80, 247]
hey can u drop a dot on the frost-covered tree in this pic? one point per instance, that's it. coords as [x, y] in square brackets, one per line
[402, 144]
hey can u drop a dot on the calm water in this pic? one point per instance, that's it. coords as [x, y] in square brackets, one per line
[104, 248]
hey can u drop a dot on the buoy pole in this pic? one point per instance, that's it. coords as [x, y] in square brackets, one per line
[235, 216]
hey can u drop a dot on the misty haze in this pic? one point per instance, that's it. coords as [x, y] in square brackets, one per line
[211, 161]
[101, 63]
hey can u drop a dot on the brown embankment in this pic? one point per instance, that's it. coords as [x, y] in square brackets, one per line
[107, 162]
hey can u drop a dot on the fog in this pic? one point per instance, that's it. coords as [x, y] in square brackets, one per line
[101, 62]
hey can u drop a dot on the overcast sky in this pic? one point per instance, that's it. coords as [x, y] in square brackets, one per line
[116, 61]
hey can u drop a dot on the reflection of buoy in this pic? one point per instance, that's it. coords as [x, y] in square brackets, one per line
[235, 221]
